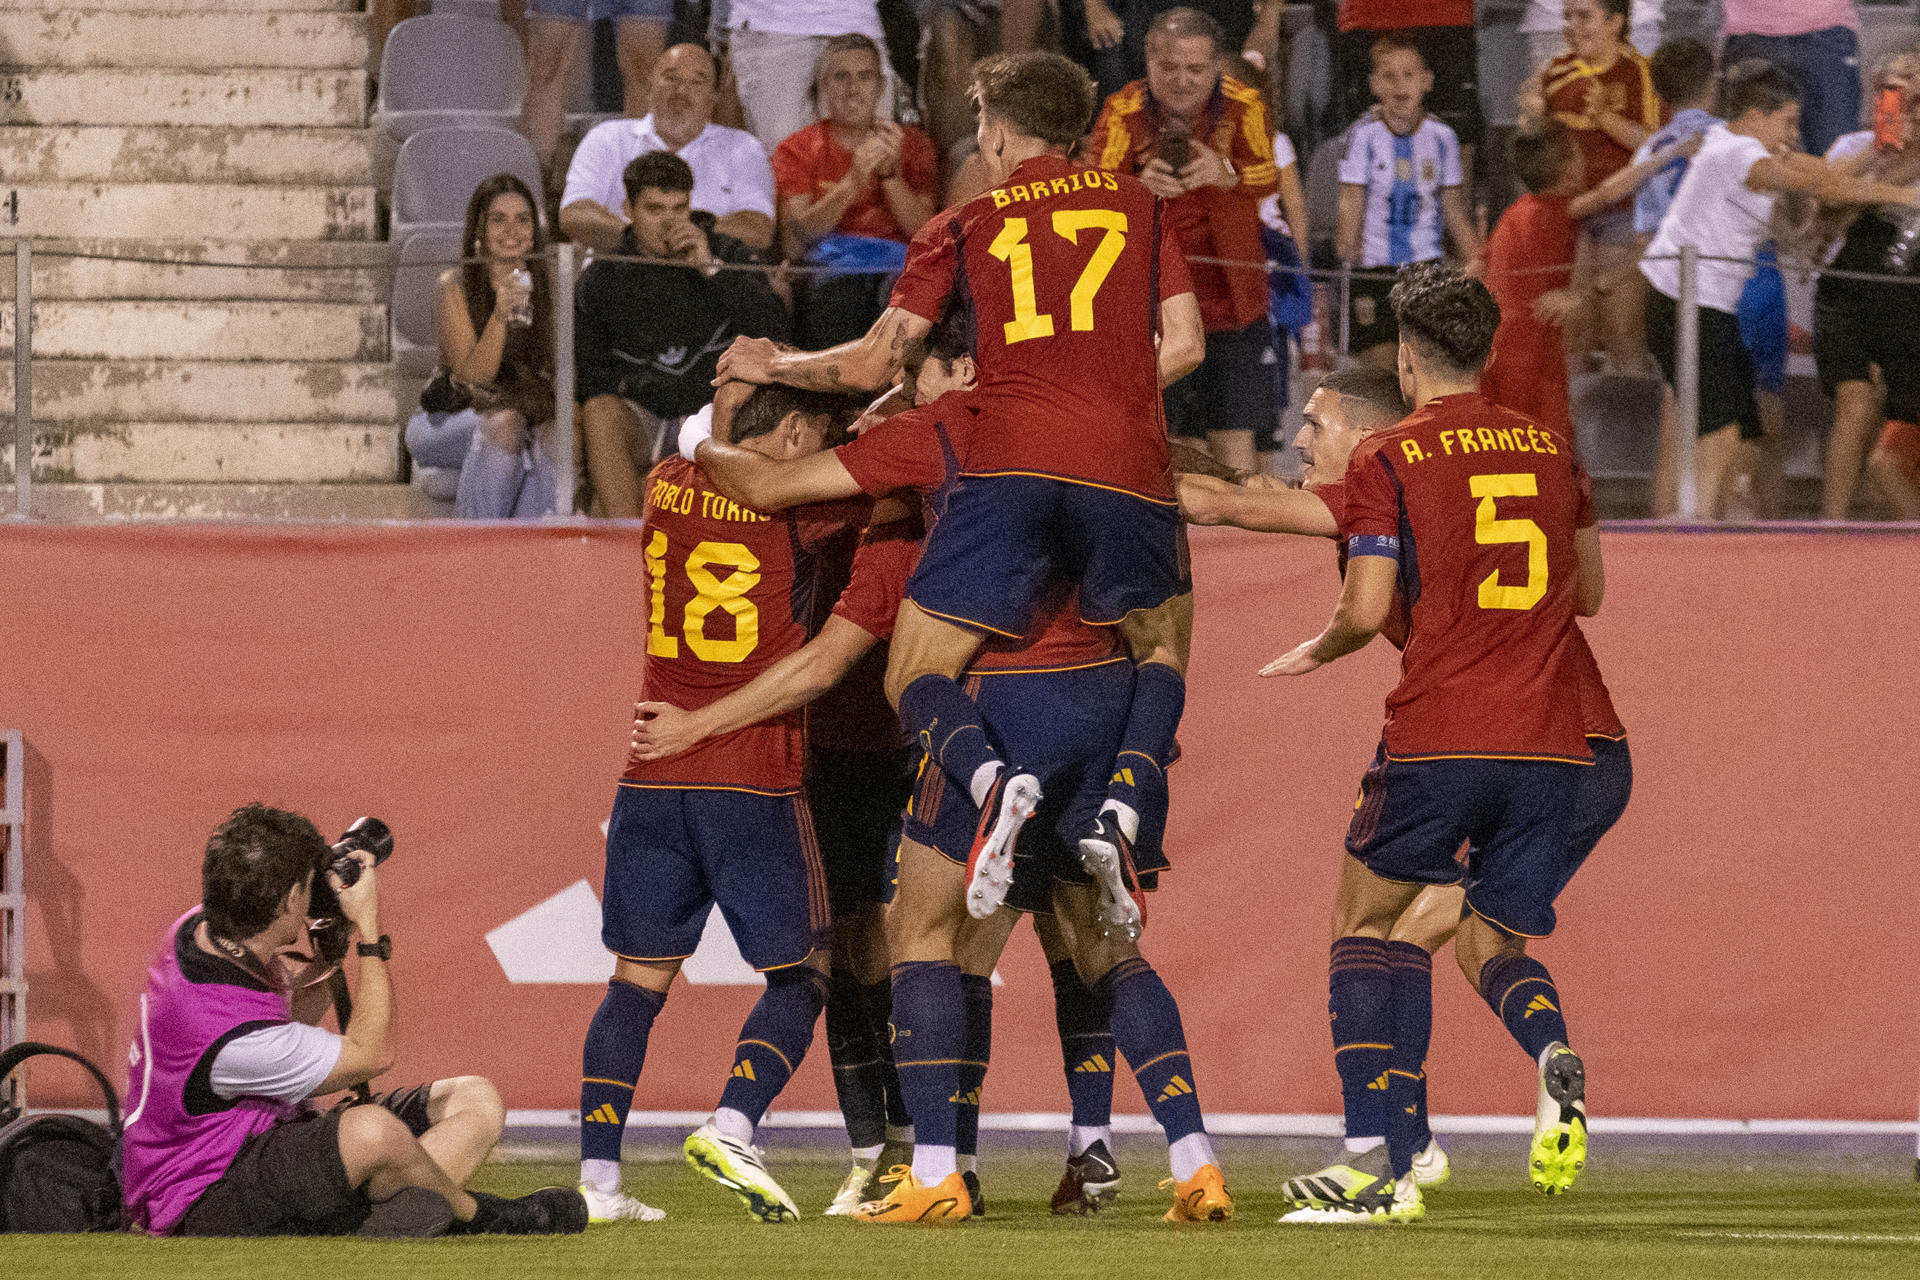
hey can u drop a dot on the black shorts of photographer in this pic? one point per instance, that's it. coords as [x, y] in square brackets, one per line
[223, 1137]
[1233, 394]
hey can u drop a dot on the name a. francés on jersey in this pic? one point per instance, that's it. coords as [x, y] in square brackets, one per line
[1484, 440]
[681, 499]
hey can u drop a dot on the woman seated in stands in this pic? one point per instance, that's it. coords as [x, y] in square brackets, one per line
[853, 188]
[489, 413]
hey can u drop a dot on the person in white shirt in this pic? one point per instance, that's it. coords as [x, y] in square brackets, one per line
[774, 45]
[1724, 209]
[732, 179]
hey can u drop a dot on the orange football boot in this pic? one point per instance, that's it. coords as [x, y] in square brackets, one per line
[913, 1201]
[1201, 1198]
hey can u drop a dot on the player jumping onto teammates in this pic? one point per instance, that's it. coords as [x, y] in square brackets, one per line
[1483, 523]
[725, 824]
[1080, 312]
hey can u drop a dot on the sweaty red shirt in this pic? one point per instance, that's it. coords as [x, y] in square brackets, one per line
[810, 161]
[925, 450]
[1479, 506]
[1063, 270]
[1530, 253]
[729, 594]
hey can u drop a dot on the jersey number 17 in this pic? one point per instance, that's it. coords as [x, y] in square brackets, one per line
[1011, 247]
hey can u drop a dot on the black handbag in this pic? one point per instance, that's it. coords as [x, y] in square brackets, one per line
[58, 1173]
[444, 395]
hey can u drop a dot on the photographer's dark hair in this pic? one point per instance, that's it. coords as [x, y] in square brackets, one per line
[1755, 85]
[1541, 157]
[763, 410]
[1042, 95]
[1448, 317]
[254, 859]
[657, 171]
[1682, 69]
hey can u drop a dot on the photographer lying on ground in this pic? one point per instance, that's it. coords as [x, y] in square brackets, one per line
[221, 1139]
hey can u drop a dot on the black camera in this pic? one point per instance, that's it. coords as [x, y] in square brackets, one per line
[329, 930]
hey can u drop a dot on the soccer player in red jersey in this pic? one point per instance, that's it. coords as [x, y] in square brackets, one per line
[1081, 312]
[1484, 523]
[724, 824]
[1071, 682]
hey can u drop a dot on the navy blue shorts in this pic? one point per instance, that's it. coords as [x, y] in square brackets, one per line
[1515, 816]
[674, 853]
[1005, 537]
[1063, 727]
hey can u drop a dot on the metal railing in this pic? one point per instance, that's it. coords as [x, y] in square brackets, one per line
[13, 891]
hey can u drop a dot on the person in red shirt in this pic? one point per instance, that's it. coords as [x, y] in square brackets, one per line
[1077, 298]
[1060, 697]
[1483, 521]
[723, 824]
[1199, 139]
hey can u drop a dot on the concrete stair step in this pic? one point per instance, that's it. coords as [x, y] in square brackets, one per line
[162, 209]
[72, 391]
[220, 6]
[280, 502]
[115, 330]
[113, 96]
[157, 153]
[318, 271]
[88, 37]
[215, 453]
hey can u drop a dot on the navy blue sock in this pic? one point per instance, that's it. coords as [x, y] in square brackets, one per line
[774, 1039]
[877, 998]
[976, 1048]
[610, 1065]
[938, 714]
[1086, 1045]
[1360, 1008]
[1146, 1026]
[929, 1030]
[1410, 969]
[1147, 749]
[1522, 995]
[859, 1079]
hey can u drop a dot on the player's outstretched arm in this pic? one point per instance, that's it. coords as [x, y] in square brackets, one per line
[662, 729]
[1593, 575]
[1623, 183]
[1365, 601]
[866, 365]
[1206, 500]
[769, 484]
[1183, 339]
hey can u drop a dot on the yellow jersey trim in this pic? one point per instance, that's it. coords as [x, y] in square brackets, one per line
[1488, 755]
[1091, 484]
[1042, 671]
[704, 786]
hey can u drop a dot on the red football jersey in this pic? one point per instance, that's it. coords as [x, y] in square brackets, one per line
[730, 593]
[1480, 506]
[1625, 88]
[1528, 370]
[925, 450]
[1063, 270]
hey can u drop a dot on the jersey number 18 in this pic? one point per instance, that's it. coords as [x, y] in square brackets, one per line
[728, 594]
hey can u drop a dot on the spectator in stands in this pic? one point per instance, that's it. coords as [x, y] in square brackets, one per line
[1400, 187]
[1545, 21]
[647, 336]
[496, 347]
[1442, 30]
[854, 187]
[958, 34]
[558, 33]
[1199, 139]
[1109, 37]
[1602, 89]
[1817, 42]
[774, 46]
[1723, 209]
[732, 181]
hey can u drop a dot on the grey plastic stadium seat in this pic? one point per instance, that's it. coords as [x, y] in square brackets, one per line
[439, 168]
[415, 338]
[442, 69]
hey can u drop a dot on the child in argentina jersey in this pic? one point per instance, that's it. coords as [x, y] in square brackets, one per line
[1404, 175]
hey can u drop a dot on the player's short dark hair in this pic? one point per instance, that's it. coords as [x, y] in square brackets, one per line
[657, 171]
[1182, 23]
[1541, 156]
[946, 342]
[1447, 316]
[1682, 69]
[253, 860]
[1367, 393]
[768, 406]
[1039, 94]
[1395, 42]
[1754, 84]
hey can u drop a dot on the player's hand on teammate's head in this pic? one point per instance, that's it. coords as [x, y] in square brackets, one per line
[661, 729]
[747, 360]
[1295, 662]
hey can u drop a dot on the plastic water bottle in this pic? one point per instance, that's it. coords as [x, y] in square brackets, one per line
[520, 314]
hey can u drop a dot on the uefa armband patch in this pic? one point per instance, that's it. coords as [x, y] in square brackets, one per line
[1373, 544]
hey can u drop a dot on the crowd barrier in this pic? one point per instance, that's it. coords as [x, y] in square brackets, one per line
[1737, 947]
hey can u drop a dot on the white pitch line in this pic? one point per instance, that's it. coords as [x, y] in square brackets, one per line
[1813, 1237]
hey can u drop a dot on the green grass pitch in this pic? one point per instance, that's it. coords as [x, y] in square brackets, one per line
[1653, 1210]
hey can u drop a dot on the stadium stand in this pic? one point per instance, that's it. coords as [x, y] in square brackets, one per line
[447, 69]
[439, 168]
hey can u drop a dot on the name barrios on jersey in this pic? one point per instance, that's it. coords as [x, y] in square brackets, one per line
[1095, 180]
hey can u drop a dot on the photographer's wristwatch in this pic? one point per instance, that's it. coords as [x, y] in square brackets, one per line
[381, 950]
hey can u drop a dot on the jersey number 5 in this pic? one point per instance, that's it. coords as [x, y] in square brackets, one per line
[728, 594]
[1488, 529]
[1011, 247]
